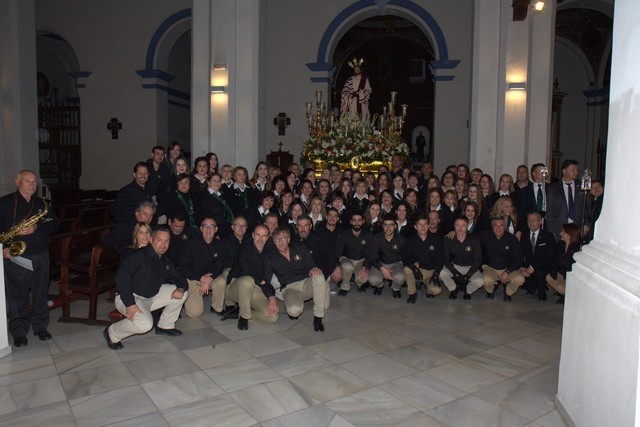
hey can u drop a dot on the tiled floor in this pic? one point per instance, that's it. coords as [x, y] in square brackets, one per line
[380, 362]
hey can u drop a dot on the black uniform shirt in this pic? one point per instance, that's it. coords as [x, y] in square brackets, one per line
[503, 253]
[290, 270]
[387, 251]
[353, 247]
[428, 253]
[251, 262]
[199, 258]
[467, 253]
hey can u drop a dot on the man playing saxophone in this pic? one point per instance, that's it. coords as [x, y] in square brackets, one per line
[29, 276]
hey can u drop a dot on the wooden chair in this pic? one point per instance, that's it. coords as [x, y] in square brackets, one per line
[93, 217]
[86, 268]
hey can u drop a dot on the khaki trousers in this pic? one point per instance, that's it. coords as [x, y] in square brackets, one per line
[490, 275]
[251, 300]
[474, 284]
[397, 272]
[426, 277]
[296, 293]
[558, 284]
[349, 267]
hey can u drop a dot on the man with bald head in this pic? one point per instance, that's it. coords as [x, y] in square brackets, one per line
[31, 275]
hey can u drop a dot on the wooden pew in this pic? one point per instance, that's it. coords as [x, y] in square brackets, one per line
[86, 268]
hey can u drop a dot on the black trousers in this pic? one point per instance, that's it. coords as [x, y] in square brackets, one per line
[22, 283]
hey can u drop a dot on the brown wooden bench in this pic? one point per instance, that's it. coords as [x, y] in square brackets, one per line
[86, 268]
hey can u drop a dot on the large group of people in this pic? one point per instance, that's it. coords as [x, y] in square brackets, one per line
[305, 234]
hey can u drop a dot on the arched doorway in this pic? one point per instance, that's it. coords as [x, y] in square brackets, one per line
[396, 56]
[179, 100]
[58, 112]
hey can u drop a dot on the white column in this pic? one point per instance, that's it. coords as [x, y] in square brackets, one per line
[230, 33]
[18, 97]
[5, 348]
[540, 85]
[600, 359]
[486, 84]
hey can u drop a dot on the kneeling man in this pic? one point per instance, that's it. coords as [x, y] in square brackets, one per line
[147, 280]
[248, 285]
[299, 278]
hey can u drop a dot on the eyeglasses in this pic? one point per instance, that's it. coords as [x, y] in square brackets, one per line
[209, 226]
[240, 225]
[281, 239]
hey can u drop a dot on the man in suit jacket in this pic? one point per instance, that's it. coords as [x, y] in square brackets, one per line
[532, 197]
[538, 250]
[565, 201]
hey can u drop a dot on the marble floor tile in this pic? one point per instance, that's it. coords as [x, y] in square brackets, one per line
[316, 416]
[79, 341]
[378, 369]
[452, 322]
[350, 327]
[503, 360]
[420, 357]
[303, 337]
[457, 413]
[297, 361]
[519, 398]
[516, 326]
[219, 411]
[372, 407]
[457, 345]
[160, 366]
[329, 384]
[96, 380]
[385, 319]
[383, 340]
[144, 346]
[237, 376]
[544, 377]
[342, 350]
[552, 419]
[55, 414]
[466, 376]
[181, 389]
[197, 338]
[31, 394]
[217, 355]
[266, 344]
[112, 406]
[187, 323]
[548, 320]
[491, 337]
[271, 400]
[420, 420]
[549, 337]
[423, 391]
[16, 371]
[89, 358]
[538, 350]
[229, 328]
[418, 331]
[150, 420]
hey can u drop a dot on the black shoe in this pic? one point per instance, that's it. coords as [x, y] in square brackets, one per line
[542, 298]
[342, 293]
[20, 342]
[506, 298]
[317, 324]
[112, 345]
[429, 296]
[489, 295]
[377, 291]
[171, 332]
[452, 295]
[530, 293]
[230, 312]
[397, 294]
[293, 318]
[362, 288]
[412, 298]
[560, 300]
[243, 324]
[43, 335]
[466, 296]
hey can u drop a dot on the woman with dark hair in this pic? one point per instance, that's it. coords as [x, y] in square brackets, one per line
[463, 172]
[212, 161]
[210, 203]
[382, 183]
[460, 187]
[373, 217]
[241, 195]
[566, 248]
[174, 150]
[413, 204]
[180, 166]
[317, 212]
[448, 180]
[471, 211]
[487, 186]
[292, 182]
[399, 186]
[324, 191]
[386, 203]
[199, 175]
[286, 200]
[404, 225]
[278, 185]
[597, 190]
[295, 212]
[310, 175]
[179, 200]
[255, 214]
[435, 202]
[345, 189]
[360, 200]
[306, 194]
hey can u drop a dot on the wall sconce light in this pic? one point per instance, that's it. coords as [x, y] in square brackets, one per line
[538, 6]
[218, 89]
[219, 78]
[517, 86]
[219, 67]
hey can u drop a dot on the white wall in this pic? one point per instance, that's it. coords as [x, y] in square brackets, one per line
[110, 39]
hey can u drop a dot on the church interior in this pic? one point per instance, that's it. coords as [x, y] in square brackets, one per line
[89, 87]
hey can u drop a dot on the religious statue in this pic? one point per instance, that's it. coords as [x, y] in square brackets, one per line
[421, 143]
[355, 93]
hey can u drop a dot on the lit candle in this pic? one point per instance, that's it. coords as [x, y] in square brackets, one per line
[318, 97]
[404, 110]
[308, 104]
[393, 97]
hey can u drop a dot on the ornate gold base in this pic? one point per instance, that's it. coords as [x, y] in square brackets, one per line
[362, 167]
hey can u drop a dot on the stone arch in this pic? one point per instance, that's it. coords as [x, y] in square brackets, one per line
[364, 9]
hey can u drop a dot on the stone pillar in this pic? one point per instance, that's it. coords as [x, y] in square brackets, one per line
[18, 97]
[600, 359]
[510, 127]
[229, 33]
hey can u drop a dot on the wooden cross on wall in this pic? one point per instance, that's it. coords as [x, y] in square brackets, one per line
[282, 121]
[114, 126]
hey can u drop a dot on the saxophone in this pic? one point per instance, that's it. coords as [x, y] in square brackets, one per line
[18, 247]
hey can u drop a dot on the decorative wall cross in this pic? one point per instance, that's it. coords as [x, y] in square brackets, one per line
[282, 121]
[114, 126]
